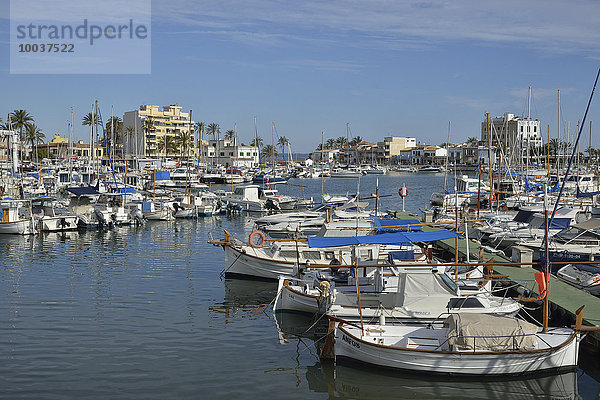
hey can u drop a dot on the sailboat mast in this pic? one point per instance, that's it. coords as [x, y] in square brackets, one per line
[447, 153]
[491, 175]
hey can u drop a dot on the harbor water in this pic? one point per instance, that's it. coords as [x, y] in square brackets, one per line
[144, 313]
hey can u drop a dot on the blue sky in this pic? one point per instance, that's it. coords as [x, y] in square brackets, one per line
[401, 68]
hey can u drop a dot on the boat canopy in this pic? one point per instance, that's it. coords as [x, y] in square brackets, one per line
[83, 191]
[403, 238]
[488, 332]
[161, 176]
[396, 225]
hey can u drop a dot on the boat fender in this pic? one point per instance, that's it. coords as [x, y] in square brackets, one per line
[324, 288]
[252, 239]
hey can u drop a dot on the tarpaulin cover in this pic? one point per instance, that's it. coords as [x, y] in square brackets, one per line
[490, 332]
[82, 191]
[397, 224]
[161, 176]
[384, 238]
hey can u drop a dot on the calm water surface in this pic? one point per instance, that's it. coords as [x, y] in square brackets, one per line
[142, 313]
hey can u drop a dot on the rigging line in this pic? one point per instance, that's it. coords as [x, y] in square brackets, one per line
[562, 187]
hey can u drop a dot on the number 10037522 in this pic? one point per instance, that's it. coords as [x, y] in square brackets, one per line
[46, 48]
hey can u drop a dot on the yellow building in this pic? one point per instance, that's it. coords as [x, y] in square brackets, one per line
[58, 147]
[154, 131]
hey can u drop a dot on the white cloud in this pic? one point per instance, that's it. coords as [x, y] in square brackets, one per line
[550, 25]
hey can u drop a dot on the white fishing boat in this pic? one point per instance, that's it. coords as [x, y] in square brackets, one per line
[16, 218]
[468, 344]
[259, 260]
[52, 218]
[419, 293]
[245, 198]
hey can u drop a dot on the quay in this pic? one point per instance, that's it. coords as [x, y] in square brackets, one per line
[564, 298]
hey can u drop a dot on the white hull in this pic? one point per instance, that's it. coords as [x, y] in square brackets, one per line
[22, 227]
[350, 346]
[62, 223]
[244, 265]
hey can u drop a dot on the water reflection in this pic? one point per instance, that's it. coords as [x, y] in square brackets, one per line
[345, 382]
[244, 298]
[358, 382]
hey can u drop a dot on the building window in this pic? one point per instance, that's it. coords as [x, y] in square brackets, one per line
[521, 128]
[535, 128]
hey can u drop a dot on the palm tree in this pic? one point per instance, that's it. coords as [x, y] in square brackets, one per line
[269, 151]
[341, 142]
[129, 132]
[356, 140]
[168, 145]
[472, 141]
[257, 142]
[229, 134]
[213, 129]
[87, 119]
[184, 141]
[19, 120]
[118, 124]
[330, 144]
[283, 141]
[34, 135]
[148, 126]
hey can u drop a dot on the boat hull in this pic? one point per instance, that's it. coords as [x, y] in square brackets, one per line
[239, 264]
[351, 348]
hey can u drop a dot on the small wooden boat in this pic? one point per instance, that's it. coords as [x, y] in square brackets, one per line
[466, 345]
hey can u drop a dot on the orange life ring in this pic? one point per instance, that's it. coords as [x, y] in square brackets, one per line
[262, 236]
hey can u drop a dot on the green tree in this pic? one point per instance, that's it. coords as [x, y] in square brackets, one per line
[230, 134]
[184, 142]
[213, 129]
[356, 140]
[148, 127]
[19, 120]
[283, 142]
[33, 136]
[330, 144]
[87, 119]
[269, 151]
[257, 142]
[472, 141]
[168, 145]
[116, 121]
[341, 142]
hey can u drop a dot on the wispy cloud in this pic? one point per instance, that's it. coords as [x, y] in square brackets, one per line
[324, 65]
[549, 26]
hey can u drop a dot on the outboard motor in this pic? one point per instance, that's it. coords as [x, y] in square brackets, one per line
[138, 217]
[272, 205]
[101, 218]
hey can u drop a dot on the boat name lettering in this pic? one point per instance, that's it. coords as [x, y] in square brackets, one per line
[351, 342]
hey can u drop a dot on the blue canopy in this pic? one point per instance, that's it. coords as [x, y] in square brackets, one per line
[82, 191]
[389, 222]
[161, 176]
[529, 186]
[586, 194]
[402, 238]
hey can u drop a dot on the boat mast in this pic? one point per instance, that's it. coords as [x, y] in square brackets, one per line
[447, 152]
[491, 175]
